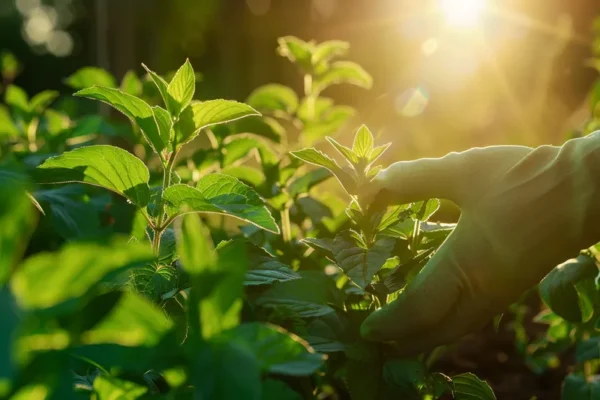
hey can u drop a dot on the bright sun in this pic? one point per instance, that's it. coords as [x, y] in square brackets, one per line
[462, 13]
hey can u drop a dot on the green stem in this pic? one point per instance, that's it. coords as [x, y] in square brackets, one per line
[159, 228]
[310, 98]
[286, 229]
[415, 237]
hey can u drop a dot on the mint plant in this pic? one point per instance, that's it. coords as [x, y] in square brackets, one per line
[377, 257]
[166, 130]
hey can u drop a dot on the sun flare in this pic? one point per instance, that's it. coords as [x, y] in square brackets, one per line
[462, 13]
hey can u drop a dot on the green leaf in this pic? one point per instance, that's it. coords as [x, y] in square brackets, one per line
[194, 246]
[328, 50]
[90, 76]
[17, 219]
[329, 123]
[16, 97]
[266, 127]
[273, 97]
[347, 153]
[163, 88]
[363, 142]
[577, 387]
[42, 100]
[164, 124]
[314, 156]
[469, 387]
[296, 50]
[134, 321]
[239, 148]
[221, 304]
[265, 269]
[225, 371]
[248, 175]
[39, 284]
[131, 84]
[200, 115]
[358, 262]
[111, 388]
[343, 72]
[559, 289]
[134, 108]
[405, 376]
[222, 194]
[106, 166]
[182, 88]
[308, 297]
[7, 126]
[307, 181]
[277, 351]
[273, 389]
[425, 209]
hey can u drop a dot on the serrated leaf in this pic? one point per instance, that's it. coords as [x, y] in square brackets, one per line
[296, 50]
[559, 288]
[343, 72]
[134, 108]
[328, 50]
[222, 194]
[239, 148]
[162, 87]
[39, 284]
[90, 76]
[248, 175]
[363, 142]
[347, 153]
[273, 97]
[314, 156]
[358, 262]
[469, 387]
[307, 297]
[106, 166]
[377, 152]
[425, 209]
[164, 124]
[277, 351]
[200, 115]
[265, 269]
[131, 84]
[182, 87]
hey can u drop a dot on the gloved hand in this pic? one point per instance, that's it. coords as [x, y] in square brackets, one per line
[524, 211]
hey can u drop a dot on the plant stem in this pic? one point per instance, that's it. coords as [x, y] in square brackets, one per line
[310, 98]
[286, 229]
[159, 228]
[415, 237]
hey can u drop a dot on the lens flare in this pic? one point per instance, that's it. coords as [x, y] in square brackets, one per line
[462, 13]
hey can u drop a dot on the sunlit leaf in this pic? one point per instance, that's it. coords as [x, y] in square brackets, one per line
[307, 181]
[347, 153]
[106, 166]
[273, 97]
[16, 97]
[90, 76]
[222, 194]
[111, 388]
[200, 115]
[296, 50]
[42, 100]
[363, 142]
[131, 84]
[134, 108]
[469, 387]
[181, 88]
[343, 72]
[328, 50]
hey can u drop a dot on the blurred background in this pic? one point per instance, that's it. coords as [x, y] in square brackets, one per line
[448, 74]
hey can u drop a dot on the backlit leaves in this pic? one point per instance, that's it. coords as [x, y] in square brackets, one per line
[106, 166]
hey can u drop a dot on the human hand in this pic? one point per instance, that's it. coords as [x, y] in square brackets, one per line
[524, 211]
